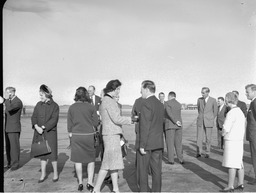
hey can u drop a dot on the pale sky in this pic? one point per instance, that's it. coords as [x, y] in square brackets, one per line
[182, 45]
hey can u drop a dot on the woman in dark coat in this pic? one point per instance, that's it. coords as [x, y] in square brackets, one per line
[44, 122]
[82, 117]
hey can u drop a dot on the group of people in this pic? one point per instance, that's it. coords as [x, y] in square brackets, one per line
[154, 119]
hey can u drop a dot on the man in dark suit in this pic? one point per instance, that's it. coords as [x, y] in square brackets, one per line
[173, 128]
[242, 105]
[222, 112]
[251, 125]
[13, 108]
[161, 97]
[136, 109]
[96, 101]
[151, 138]
[207, 111]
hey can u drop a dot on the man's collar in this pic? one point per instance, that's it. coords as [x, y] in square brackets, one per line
[13, 98]
[150, 95]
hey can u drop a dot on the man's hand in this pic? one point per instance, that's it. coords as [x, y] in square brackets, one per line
[1, 100]
[178, 123]
[142, 151]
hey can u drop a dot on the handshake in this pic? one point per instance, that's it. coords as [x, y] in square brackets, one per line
[135, 119]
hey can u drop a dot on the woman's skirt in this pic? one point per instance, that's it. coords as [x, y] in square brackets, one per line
[233, 154]
[112, 157]
[82, 148]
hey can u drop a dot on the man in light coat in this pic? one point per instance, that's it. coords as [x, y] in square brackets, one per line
[207, 112]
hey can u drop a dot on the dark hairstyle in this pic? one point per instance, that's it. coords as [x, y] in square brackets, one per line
[207, 89]
[161, 93]
[231, 98]
[82, 95]
[92, 87]
[111, 86]
[221, 98]
[252, 86]
[235, 92]
[173, 94]
[46, 90]
[150, 85]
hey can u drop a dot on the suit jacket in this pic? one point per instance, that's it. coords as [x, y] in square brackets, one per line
[207, 113]
[251, 122]
[13, 110]
[97, 102]
[151, 124]
[242, 105]
[136, 109]
[111, 118]
[221, 116]
[172, 114]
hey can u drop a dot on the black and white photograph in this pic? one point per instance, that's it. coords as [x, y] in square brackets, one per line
[128, 96]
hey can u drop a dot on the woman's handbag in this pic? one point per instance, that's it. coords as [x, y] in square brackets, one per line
[124, 147]
[96, 139]
[40, 148]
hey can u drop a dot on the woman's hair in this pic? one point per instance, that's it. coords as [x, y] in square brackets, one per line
[231, 98]
[46, 90]
[82, 95]
[112, 85]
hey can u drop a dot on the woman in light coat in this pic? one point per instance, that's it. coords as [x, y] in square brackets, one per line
[111, 132]
[233, 132]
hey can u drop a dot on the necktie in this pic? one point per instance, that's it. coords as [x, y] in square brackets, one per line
[92, 100]
[204, 102]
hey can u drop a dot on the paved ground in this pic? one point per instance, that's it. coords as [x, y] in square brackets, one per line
[196, 175]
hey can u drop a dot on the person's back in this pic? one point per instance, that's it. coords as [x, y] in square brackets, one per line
[84, 116]
[235, 117]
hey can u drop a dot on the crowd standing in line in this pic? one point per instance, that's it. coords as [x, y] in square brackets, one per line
[90, 114]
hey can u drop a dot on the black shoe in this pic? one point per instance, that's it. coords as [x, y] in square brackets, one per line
[181, 162]
[89, 187]
[207, 156]
[40, 181]
[80, 187]
[198, 155]
[227, 190]
[239, 188]
[172, 163]
[14, 168]
[7, 166]
[55, 180]
[108, 180]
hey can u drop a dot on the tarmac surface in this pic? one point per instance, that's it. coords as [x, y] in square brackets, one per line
[196, 175]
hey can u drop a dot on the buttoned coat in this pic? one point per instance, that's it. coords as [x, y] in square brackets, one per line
[206, 113]
[13, 110]
[111, 118]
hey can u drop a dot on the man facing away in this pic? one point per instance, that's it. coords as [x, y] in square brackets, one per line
[222, 112]
[242, 105]
[173, 128]
[136, 109]
[151, 138]
[13, 108]
[207, 111]
[251, 125]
